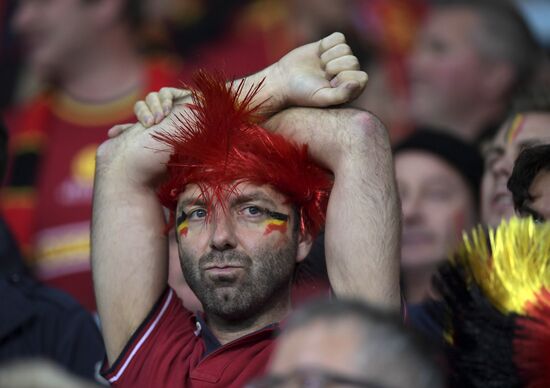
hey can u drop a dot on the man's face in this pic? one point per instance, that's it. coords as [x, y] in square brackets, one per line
[446, 67]
[437, 206]
[520, 132]
[54, 32]
[539, 206]
[239, 259]
[318, 350]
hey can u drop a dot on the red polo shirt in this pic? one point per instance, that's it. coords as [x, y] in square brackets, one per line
[169, 350]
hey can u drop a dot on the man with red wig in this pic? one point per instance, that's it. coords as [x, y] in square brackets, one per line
[247, 194]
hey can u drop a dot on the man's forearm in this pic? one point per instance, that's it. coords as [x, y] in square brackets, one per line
[319, 74]
[364, 203]
[363, 217]
[129, 251]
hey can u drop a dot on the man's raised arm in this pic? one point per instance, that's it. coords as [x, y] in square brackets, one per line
[318, 74]
[129, 248]
[362, 243]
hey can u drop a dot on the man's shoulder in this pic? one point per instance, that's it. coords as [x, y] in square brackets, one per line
[43, 322]
[169, 347]
[164, 339]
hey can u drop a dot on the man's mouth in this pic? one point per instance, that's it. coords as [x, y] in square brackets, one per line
[223, 270]
[416, 238]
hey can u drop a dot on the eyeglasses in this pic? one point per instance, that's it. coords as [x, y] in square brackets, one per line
[311, 378]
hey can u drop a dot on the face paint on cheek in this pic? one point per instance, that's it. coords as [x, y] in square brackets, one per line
[276, 222]
[182, 225]
[515, 128]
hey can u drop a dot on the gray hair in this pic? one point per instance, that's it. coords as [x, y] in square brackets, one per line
[395, 354]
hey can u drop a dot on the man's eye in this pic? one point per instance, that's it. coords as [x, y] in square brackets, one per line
[490, 161]
[197, 214]
[254, 211]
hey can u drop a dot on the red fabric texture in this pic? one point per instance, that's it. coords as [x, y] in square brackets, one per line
[166, 352]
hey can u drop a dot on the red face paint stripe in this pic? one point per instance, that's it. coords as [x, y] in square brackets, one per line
[183, 228]
[275, 224]
[272, 227]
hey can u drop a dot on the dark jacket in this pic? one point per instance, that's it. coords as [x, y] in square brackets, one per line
[38, 321]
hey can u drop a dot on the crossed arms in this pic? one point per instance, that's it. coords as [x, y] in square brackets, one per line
[129, 248]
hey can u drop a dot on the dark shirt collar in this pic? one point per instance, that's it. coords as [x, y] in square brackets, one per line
[211, 343]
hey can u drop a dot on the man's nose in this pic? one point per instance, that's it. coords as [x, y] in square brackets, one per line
[223, 232]
[503, 166]
[411, 208]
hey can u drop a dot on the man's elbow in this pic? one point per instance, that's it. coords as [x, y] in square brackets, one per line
[364, 129]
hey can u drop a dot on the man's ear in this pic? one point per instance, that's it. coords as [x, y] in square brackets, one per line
[305, 241]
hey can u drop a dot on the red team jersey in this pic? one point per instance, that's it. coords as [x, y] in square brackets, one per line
[47, 199]
[168, 350]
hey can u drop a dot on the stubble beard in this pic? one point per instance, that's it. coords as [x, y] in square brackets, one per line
[265, 284]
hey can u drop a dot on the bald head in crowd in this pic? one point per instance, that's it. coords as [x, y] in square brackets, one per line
[346, 343]
[471, 56]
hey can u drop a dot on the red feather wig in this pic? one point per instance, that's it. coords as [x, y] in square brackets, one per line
[219, 144]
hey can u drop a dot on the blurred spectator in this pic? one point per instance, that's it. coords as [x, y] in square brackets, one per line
[38, 321]
[438, 177]
[528, 125]
[238, 36]
[39, 373]
[471, 57]
[346, 343]
[387, 29]
[530, 183]
[86, 52]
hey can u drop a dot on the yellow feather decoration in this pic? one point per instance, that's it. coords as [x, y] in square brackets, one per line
[512, 265]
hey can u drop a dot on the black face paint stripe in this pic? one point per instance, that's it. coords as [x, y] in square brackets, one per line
[276, 215]
[181, 218]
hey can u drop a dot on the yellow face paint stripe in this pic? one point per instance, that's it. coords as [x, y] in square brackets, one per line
[515, 128]
[274, 224]
[183, 227]
[274, 221]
